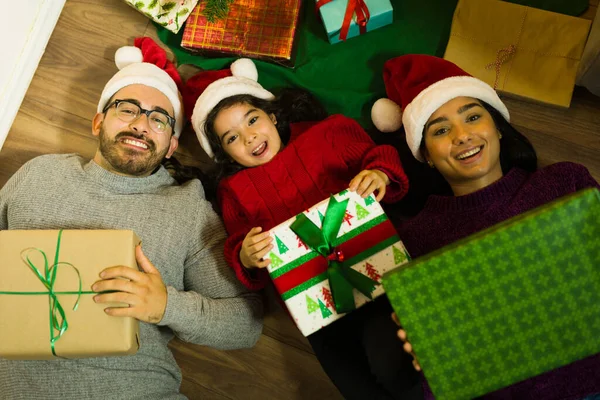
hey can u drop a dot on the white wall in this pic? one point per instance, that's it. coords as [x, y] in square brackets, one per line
[24, 33]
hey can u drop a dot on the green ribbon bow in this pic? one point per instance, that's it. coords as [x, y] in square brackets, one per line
[58, 320]
[342, 278]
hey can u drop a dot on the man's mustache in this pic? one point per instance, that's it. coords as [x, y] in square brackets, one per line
[151, 145]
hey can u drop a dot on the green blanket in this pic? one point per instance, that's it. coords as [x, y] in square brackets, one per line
[347, 77]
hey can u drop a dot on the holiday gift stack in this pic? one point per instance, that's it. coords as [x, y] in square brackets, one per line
[46, 301]
[329, 260]
[262, 29]
[170, 14]
[344, 19]
[521, 51]
[508, 303]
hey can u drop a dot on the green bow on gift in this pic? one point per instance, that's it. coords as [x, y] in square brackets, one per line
[342, 278]
[47, 276]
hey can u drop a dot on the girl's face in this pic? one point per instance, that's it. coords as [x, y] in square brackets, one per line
[462, 142]
[248, 134]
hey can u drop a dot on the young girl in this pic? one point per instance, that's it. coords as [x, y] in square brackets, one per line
[277, 157]
[460, 127]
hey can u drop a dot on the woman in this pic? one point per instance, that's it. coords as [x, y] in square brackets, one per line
[460, 127]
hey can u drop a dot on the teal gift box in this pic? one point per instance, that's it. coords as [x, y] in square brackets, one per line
[333, 12]
[505, 304]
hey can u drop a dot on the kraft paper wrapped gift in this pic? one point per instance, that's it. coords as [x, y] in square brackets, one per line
[505, 304]
[335, 14]
[520, 51]
[32, 320]
[329, 260]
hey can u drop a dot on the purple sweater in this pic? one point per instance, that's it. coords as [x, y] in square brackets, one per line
[446, 219]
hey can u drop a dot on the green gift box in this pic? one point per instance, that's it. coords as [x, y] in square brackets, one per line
[333, 13]
[508, 303]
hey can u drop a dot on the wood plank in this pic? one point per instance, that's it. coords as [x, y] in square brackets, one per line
[39, 129]
[98, 28]
[271, 370]
[590, 13]
[194, 391]
[280, 326]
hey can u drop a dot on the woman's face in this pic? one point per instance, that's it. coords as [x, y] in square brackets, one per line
[462, 142]
[248, 134]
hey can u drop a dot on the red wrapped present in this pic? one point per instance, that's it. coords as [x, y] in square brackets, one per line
[261, 29]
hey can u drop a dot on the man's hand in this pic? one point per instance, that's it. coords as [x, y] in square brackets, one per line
[255, 246]
[144, 291]
[369, 180]
[407, 346]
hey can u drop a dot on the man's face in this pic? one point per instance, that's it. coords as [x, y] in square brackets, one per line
[133, 147]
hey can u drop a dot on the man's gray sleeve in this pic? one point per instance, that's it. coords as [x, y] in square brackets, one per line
[215, 309]
[8, 191]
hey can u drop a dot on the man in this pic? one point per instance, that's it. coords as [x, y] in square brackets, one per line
[184, 286]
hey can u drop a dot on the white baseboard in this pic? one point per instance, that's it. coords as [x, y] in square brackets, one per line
[26, 32]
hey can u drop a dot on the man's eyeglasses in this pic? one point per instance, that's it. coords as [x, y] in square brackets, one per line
[129, 112]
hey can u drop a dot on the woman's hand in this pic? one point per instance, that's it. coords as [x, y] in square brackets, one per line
[255, 246]
[368, 181]
[407, 346]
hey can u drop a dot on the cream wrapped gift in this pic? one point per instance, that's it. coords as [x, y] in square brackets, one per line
[170, 14]
[522, 51]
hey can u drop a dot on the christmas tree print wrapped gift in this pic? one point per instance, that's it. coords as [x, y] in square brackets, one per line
[329, 260]
[170, 14]
[508, 303]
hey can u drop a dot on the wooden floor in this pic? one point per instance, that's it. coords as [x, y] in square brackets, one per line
[55, 117]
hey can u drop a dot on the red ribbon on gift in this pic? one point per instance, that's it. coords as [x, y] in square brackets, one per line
[358, 7]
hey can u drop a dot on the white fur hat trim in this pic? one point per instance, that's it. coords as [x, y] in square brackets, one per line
[427, 102]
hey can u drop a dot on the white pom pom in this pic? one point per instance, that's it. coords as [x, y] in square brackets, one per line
[128, 55]
[244, 67]
[386, 115]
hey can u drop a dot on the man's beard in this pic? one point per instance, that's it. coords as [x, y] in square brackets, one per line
[129, 161]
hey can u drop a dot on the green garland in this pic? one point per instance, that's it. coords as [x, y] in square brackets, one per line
[216, 9]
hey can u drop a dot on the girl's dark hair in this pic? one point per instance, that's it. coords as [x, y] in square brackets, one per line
[290, 106]
[183, 173]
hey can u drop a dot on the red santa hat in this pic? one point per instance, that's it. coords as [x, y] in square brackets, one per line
[417, 85]
[206, 89]
[146, 63]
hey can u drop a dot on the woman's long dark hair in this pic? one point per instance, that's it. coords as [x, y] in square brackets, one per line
[515, 149]
[290, 106]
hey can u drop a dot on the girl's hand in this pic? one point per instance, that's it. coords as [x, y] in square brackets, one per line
[369, 180]
[255, 246]
[407, 346]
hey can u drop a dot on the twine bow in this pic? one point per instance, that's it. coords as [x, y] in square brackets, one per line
[502, 56]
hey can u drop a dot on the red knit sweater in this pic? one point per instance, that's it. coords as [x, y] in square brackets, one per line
[320, 159]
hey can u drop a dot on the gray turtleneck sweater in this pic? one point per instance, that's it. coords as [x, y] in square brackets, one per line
[181, 235]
